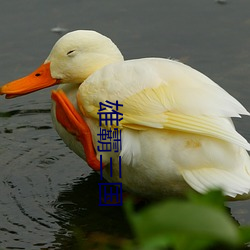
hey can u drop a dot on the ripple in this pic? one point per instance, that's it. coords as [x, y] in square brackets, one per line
[28, 218]
[35, 127]
[8, 131]
[48, 160]
[7, 230]
[20, 112]
[65, 210]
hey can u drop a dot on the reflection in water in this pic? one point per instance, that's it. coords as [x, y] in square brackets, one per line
[81, 213]
[46, 190]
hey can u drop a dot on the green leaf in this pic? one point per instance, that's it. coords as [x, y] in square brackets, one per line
[245, 234]
[175, 223]
[212, 197]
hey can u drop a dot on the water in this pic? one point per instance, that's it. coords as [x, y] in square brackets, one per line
[46, 190]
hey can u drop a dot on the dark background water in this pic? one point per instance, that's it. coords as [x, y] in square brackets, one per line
[45, 189]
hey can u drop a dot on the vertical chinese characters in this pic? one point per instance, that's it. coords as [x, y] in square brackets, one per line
[109, 140]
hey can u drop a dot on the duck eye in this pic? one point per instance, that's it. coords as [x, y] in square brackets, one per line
[70, 52]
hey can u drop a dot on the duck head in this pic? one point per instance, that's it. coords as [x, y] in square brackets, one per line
[74, 57]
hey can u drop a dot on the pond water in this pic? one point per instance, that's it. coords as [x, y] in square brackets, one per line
[45, 189]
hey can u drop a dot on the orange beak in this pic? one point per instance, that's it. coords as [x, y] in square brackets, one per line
[41, 78]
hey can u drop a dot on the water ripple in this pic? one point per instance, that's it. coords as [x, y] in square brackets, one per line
[19, 112]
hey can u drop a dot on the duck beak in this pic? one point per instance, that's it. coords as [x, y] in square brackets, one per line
[41, 78]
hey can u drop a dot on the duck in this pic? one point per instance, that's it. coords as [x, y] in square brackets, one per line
[175, 126]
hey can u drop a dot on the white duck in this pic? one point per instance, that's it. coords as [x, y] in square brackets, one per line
[176, 127]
